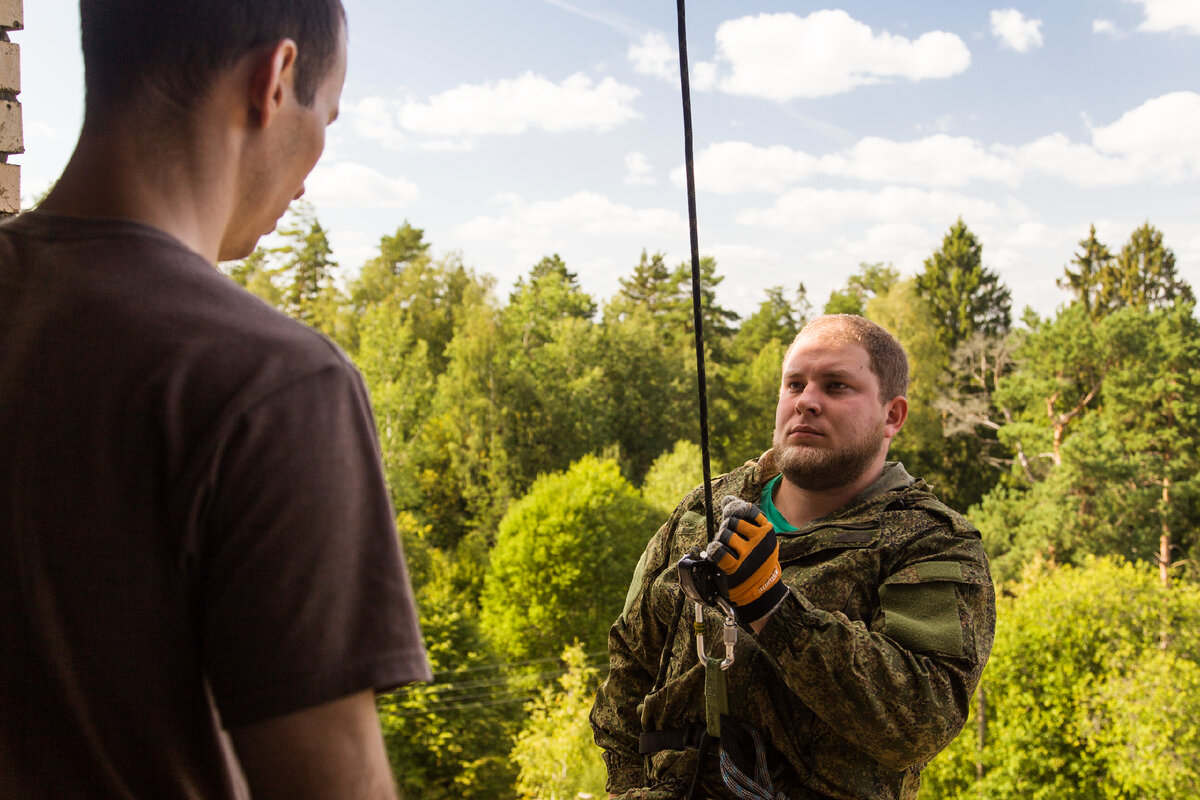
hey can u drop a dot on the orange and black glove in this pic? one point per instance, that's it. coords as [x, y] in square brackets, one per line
[748, 554]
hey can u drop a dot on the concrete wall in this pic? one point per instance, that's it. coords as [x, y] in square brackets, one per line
[12, 136]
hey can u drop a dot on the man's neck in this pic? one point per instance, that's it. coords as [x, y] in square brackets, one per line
[801, 506]
[119, 175]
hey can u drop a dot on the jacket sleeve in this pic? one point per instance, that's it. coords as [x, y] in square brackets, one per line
[635, 646]
[898, 686]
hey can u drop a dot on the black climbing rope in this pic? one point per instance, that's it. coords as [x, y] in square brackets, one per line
[695, 237]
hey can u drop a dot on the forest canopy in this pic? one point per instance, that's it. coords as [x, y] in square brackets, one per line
[532, 445]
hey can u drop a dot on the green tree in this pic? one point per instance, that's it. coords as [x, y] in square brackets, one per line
[743, 407]
[871, 280]
[963, 298]
[433, 294]
[450, 739]
[563, 556]
[552, 391]
[297, 276]
[777, 320]
[555, 752]
[1105, 411]
[395, 363]
[1137, 455]
[650, 380]
[1082, 699]
[744, 385]
[258, 275]
[652, 287]
[307, 271]
[957, 465]
[459, 461]
[381, 275]
[1143, 275]
[1092, 261]
[672, 475]
[963, 295]
[717, 322]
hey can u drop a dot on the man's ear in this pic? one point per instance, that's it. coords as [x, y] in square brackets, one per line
[272, 78]
[896, 412]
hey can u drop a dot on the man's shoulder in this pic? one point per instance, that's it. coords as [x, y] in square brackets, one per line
[153, 306]
[920, 501]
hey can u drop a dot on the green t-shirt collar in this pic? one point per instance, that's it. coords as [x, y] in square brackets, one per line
[894, 476]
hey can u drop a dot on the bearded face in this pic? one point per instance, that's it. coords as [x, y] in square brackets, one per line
[817, 466]
[831, 425]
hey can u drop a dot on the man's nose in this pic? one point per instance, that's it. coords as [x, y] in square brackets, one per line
[300, 193]
[808, 401]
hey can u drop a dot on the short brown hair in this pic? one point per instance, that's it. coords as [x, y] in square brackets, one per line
[886, 354]
[175, 48]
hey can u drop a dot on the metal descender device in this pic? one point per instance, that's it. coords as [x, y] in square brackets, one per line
[702, 582]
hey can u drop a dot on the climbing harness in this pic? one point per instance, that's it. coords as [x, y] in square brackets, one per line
[699, 577]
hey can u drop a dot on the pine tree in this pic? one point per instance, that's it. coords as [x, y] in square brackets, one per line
[963, 295]
[1093, 260]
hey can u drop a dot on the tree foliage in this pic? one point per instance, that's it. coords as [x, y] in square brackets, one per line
[963, 295]
[562, 560]
[557, 758]
[871, 280]
[1104, 412]
[1082, 700]
[672, 476]
[451, 739]
[513, 427]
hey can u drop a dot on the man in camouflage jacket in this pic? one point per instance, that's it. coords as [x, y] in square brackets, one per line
[865, 670]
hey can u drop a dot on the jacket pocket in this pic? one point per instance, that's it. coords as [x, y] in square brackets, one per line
[920, 607]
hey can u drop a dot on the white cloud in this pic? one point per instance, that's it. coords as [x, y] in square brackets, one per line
[784, 56]
[374, 118]
[1154, 142]
[447, 145]
[1151, 143]
[902, 244]
[353, 248]
[514, 106]
[1104, 26]
[548, 221]
[806, 209]
[731, 167]
[1161, 131]
[1014, 30]
[505, 107]
[638, 169]
[733, 255]
[938, 160]
[655, 56]
[345, 184]
[1075, 162]
[1170, 15]
[703, 76]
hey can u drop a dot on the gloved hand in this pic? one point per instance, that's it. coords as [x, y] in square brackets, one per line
[748, 553]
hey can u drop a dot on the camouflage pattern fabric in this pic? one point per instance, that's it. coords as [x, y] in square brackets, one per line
[860, 677]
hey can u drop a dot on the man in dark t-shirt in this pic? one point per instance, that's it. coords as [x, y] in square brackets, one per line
[195, 535]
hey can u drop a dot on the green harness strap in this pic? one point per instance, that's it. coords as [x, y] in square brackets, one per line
[716, 700]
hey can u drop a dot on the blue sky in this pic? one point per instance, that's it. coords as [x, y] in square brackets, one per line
[826, 135]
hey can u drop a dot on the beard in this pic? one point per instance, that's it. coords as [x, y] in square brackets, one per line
[820, 469]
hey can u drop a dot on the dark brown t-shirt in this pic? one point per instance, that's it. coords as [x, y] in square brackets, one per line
[191, 505]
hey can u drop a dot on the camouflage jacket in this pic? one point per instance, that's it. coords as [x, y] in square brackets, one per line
[860, 677]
